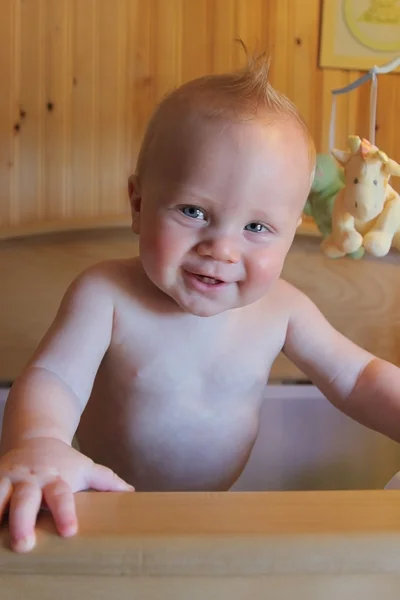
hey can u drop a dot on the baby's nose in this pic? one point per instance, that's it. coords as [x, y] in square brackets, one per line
[222, 249]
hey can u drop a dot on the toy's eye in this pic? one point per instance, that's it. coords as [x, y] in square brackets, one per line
[375, 182]
[356, 180]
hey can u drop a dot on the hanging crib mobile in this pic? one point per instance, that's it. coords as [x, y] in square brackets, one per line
[354, 206]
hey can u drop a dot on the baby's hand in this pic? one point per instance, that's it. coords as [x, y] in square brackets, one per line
[46, 469]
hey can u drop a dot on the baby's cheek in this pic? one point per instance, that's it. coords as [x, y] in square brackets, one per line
[155, 239]
[164, 248]
[266, 266]
[169, 247]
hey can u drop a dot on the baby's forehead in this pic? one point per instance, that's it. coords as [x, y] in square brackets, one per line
[233, 163]
[184, 135]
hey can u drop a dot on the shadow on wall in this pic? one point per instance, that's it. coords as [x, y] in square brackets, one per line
[304, 443]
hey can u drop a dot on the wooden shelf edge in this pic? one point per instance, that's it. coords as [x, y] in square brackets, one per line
[64, 225]
[308, 227]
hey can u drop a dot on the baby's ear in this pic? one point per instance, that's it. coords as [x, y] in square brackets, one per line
[135, 200]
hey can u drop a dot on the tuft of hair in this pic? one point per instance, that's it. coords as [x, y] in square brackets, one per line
[242, 94]
[238, 96]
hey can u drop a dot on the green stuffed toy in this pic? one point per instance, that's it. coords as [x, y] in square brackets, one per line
[328, 181]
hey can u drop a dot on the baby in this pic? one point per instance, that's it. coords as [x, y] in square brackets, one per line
[160, 363]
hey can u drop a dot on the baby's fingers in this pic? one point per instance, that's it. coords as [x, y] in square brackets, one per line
[104, 479]
[5, 495]
[60, 501]
[24, 508]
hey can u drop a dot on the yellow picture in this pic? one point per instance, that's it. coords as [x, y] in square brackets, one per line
[358, 34]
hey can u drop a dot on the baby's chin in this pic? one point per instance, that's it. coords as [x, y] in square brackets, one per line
[199, 306]
[201, 309]
[176, 303]
[179, 301]
[204, 313]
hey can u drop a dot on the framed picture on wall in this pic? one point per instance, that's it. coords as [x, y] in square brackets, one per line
[358, 34]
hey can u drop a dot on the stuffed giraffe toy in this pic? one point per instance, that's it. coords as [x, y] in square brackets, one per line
[328, 181]
[366, 212]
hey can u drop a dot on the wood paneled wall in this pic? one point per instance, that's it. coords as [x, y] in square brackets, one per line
[79, 79]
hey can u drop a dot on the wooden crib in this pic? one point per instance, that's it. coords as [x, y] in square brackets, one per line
[223, 546]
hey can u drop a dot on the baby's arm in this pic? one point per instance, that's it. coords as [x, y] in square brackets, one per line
[43, 412]
[362, 386]
[50, 395]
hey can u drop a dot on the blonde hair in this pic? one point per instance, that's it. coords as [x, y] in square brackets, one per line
[238, 96]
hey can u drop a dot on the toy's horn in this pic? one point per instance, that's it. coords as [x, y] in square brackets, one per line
[393, 168]
[342, 156]
[382, 157]
[354, 143]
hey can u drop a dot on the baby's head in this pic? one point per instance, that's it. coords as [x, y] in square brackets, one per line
[222, 177]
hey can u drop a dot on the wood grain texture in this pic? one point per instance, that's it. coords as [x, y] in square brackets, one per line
[303, 545]
[79, 81]
[271, 587]
[203, 523]
[360, 298]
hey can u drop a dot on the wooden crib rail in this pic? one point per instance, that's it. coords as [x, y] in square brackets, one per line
[98, 223]
[228, 545]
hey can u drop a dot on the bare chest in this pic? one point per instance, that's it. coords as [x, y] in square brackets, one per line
[227, 359]
[181, 397]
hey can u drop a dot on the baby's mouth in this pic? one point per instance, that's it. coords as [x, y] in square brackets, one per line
[209, 280]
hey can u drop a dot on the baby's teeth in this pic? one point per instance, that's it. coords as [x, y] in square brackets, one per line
[207, 279]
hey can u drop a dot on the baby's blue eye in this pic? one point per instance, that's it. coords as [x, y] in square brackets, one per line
[193, 212]
[256, 227]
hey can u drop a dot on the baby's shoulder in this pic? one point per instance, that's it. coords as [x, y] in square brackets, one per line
[281, 299]
[275, 310]
[112, 278]
[291, 304]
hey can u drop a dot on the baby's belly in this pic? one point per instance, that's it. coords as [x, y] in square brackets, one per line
[171, 444]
